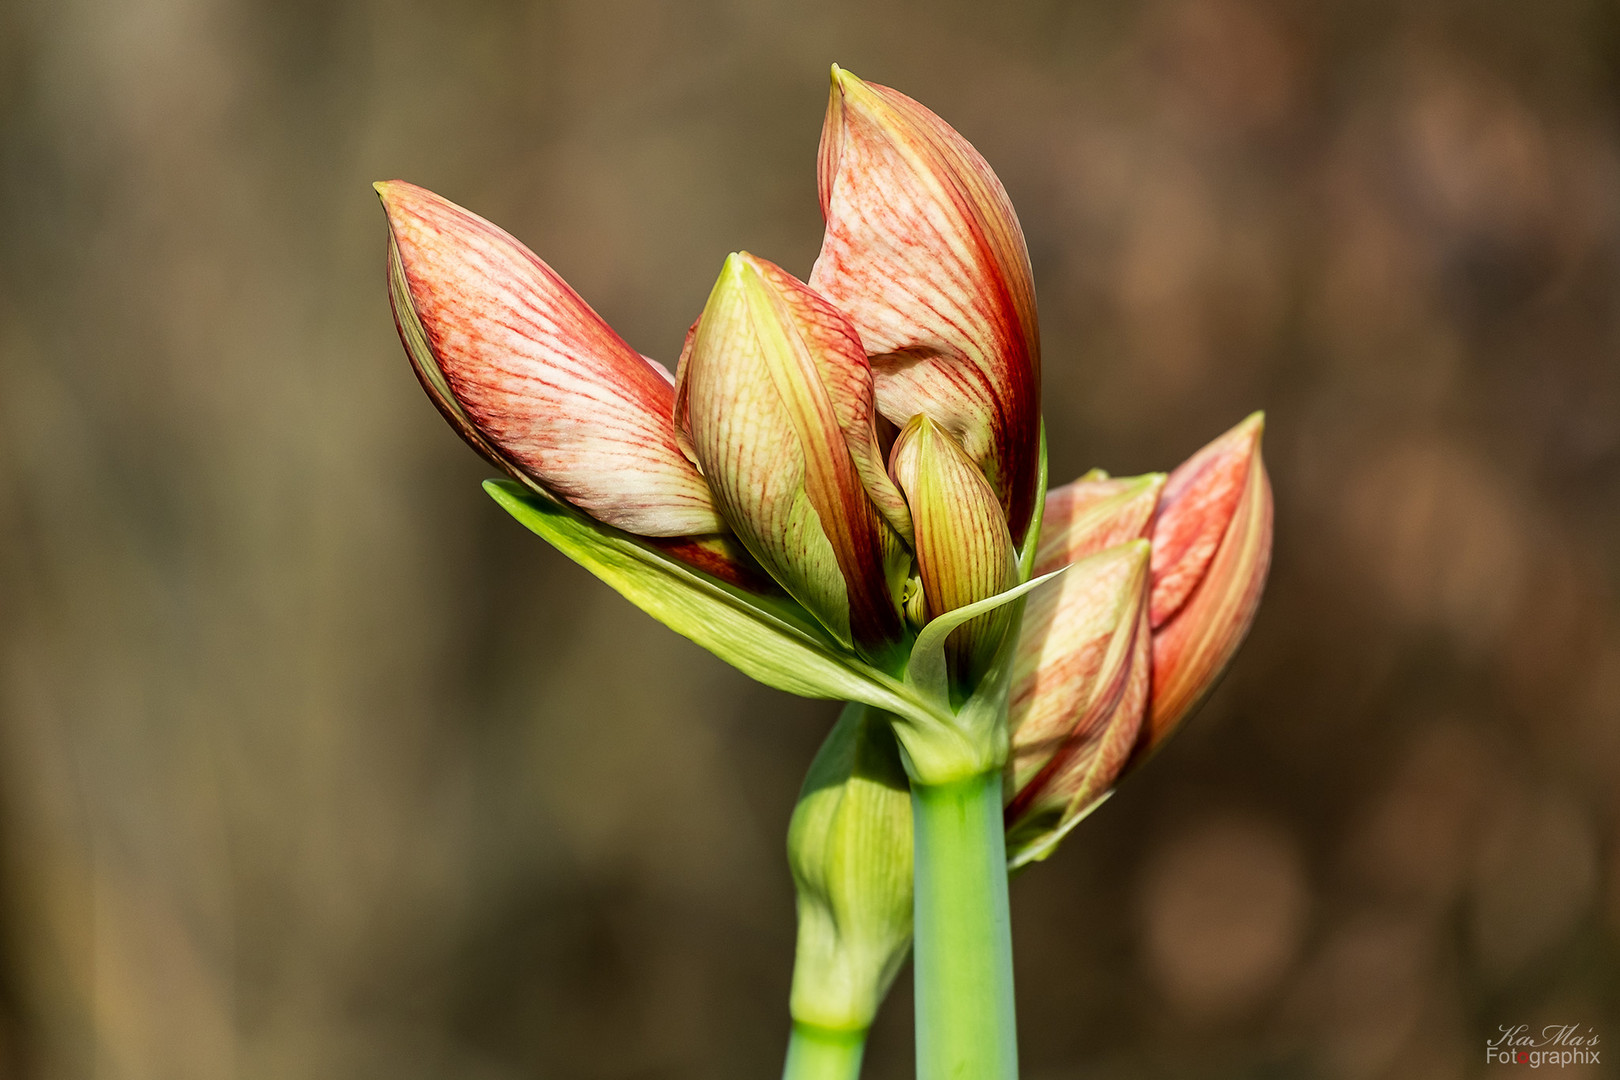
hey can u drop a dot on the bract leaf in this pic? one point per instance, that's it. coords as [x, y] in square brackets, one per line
[926, 670]
[774, 641]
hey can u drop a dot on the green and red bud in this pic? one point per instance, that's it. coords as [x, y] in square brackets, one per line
[774, 403]
[964, 550]
[924, 254]
[920, 310]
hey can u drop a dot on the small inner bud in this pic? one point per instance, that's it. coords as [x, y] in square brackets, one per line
[915, 603]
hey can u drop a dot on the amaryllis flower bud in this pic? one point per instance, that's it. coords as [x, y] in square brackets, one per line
[1080, 687]
[1210, 529]
[964, 551]
[532, 377]
[774, 398]
[849, 846]
[1211, 551]
[924, 253]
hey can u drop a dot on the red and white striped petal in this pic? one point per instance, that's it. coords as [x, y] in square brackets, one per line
[1193, 646]
[1195, 511]
[964, 551]
[768, 390]
[924, 253]
[1080, 687]
[531, 376]
[1093, 513]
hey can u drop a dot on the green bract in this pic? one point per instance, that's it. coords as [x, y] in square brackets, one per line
[778, 643]
[849, 847]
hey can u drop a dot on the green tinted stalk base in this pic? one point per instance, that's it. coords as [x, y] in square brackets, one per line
[963, 936]
[818, 1053]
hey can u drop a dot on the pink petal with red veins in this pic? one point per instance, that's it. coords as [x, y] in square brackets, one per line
[924, 253]
[1192, 649]
[1195, 511]
[1194, 646]
[531, 376]
[1093, 513]
[1080, 685]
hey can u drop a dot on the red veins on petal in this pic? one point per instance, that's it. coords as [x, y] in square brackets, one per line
[925, 255]
[1079, 694]
[1093, 513]
[1194, 645]
[531, 376]
[1197, 505]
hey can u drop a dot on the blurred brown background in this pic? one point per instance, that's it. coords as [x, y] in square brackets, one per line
[313, 764]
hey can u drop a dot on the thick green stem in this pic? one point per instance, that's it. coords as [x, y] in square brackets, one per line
[963, 944]
[818, 1053]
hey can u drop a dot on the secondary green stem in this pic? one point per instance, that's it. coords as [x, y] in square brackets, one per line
[818, 1053]
[963, 937]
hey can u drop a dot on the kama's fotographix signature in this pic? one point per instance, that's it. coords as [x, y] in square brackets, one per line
[1554, 1044]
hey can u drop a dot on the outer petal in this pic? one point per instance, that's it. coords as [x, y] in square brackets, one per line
[1079, 692]
[1093, 513]
[765, 388]
[1196, 510]
[964, 552]
[925, 255]
[531, 376]
[1192, 648]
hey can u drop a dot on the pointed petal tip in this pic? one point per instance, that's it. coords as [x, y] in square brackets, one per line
[848, 86]
[1145, 482]
[1244, 436]
[393, 192]
[740, 267]
[1253, 425]
[388, 192]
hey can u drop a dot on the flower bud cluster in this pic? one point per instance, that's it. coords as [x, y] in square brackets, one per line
[840, 489]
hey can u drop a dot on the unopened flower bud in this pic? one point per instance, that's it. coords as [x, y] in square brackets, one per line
[964, 550]
[1211, 551]
[849, 846]
[774, 402]
[1095, 512]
